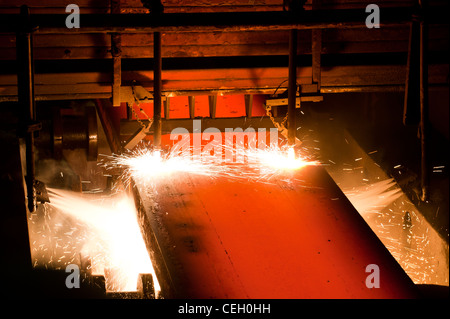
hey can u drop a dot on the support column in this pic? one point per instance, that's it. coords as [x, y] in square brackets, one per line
[157, 86]
[425, 179]
[116, 52]
[25, 84]
[292, 86]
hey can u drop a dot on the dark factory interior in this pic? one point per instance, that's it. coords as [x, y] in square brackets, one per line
[239, 149]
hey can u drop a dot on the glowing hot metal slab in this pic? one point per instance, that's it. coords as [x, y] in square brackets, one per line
[224, 238]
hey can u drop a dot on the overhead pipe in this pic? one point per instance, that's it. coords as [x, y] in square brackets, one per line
[425, 179]
[416, 89]
[223, 21]
[116, 52]
[25, 84]
[156, 11]
[295, 8]
[292, 87]
[157, 86]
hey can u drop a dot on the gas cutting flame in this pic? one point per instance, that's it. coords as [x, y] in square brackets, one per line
[280, 159]
[146, 162]
[260, 165]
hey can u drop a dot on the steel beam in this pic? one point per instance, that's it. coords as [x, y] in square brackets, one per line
[130, 127]
[316, 56]
[25, 84]
[224, 21]
[116, 52]
[157, 87]
[424, 121]
[292, 87]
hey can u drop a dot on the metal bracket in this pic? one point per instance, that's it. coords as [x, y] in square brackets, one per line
[135, 94]
[30, 127]
[33, 127]
[316, 55]
[298, 100]
[138, 136]
[41, 192]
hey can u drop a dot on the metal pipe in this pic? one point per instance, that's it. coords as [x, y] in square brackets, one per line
[292, 86]
[25, 84]
[116, 52]
[157, 86]
[411, 107]
[367, 88]
[424, 104]
[223, 21]
[316, 50]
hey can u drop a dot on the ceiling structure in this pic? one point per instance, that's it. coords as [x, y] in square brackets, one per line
[247, 54]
